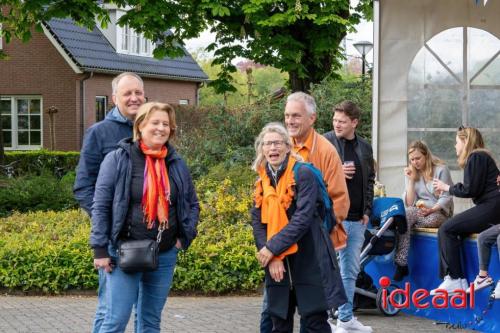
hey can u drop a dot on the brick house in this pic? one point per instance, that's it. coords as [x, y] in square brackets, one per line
[71, 69]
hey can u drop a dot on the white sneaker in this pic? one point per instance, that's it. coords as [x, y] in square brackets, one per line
[450, 284]
[352, 325]
[481, 283]
[496, 292]
[465, 284]
[331, 322]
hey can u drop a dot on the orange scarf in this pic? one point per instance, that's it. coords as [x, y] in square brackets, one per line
[275, 201]
[156, 189]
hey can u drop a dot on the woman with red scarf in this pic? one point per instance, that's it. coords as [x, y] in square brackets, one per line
[142, 186]
[296, 251]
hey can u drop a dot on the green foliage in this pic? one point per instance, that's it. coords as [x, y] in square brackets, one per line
[46, 252]
[225, 136]
[49, 252]
[34, 193]
[264, 81]
[301, 37]
[38, 161]
[333, 91]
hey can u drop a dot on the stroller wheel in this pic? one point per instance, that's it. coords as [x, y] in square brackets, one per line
[386, 307]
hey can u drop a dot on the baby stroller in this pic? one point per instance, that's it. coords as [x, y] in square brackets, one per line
[388, 216]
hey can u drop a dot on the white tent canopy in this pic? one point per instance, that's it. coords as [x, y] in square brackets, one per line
[437, 66]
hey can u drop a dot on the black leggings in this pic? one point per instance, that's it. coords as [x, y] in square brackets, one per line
[451, 233]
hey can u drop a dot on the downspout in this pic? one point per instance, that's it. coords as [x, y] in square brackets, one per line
[82, 105]
[199, 85]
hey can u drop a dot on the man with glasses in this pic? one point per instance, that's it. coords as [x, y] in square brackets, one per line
[357, 157]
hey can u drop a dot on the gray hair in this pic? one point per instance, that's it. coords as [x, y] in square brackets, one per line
[117, 79]
[308, 101]
[274, 127]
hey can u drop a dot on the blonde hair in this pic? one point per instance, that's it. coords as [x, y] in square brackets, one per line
[274, 127]
[145, 112]
[473, 142]
[431, 161]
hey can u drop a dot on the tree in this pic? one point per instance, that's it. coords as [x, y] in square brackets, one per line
[301, 37]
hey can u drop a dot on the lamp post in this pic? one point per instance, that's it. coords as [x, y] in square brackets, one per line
[363, 48]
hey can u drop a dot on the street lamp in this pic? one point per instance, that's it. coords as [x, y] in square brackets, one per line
[363, 48]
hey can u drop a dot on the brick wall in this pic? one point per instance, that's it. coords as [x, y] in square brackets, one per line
[37, 68]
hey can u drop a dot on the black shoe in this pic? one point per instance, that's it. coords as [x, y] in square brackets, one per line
[401, 272]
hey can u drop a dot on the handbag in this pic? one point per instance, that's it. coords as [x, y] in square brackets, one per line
[139, 255]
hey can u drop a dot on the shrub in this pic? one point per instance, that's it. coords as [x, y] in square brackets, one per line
[37, 161]
[33, 193]
[46, 252]
[49, 251]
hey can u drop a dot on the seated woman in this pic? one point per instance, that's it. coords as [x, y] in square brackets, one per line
[294, 248]
[425, 208]
[480, 175]
[143, 191]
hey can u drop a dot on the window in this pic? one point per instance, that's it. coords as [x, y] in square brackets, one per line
[455, 80]
[184, 102]
[1, 37]
[21, 119]
[134, 43]
[101, 105]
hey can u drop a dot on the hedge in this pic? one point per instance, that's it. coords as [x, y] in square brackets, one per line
[48, 252]
[36, 161]
[34, 193]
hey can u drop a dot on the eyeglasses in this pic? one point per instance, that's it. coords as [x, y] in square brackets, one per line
[276, 143]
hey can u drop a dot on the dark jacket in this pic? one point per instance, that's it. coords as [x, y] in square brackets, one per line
[480, 179]
[112, 196]
[99, 139]
[365, 155]
[312, 271]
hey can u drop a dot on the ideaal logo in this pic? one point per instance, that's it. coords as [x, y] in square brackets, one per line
[400, 298]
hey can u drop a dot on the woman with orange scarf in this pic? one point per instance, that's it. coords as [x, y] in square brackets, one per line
[297, 253]
[143, 190]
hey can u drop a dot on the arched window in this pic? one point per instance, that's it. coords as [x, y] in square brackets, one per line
[455, 80]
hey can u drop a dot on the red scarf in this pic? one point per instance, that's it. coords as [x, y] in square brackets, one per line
[156, 190]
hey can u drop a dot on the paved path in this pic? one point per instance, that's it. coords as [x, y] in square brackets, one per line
[182, 314]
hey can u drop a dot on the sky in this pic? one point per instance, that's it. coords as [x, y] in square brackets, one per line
[364, 33]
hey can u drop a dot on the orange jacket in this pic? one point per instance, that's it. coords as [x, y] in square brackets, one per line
[323, 155]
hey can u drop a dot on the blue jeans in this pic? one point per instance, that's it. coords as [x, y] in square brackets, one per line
[350, 264]
[122, 291]
[101, 302]
[266, 324]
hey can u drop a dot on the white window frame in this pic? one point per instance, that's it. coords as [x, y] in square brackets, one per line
[184, 102]
[105, 98]
[135, 43]
[14, 122]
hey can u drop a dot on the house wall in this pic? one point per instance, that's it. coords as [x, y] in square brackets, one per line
[36, 68]
[166, 91]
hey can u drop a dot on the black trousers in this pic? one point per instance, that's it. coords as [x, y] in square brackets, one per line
[452, 232]
[315, 323]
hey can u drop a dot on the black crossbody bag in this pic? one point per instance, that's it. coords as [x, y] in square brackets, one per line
[139, 255]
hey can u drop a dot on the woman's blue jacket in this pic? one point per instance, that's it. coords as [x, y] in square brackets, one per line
[112, 196]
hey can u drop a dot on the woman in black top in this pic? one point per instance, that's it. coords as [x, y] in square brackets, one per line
[480, 174]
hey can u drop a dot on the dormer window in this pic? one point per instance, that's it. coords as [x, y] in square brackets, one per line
[130, 42]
